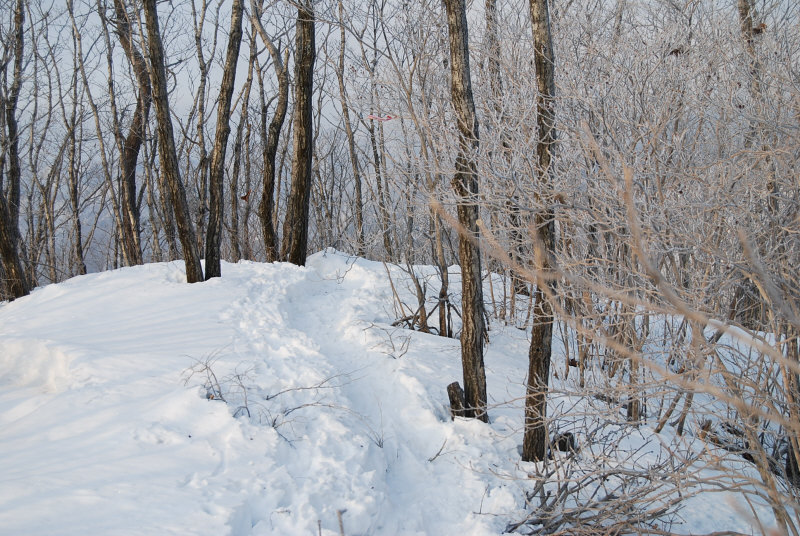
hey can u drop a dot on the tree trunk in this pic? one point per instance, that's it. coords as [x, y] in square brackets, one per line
[382, 205]
[351, 145]
[17, 283]
[465, 184]
[535, 438]
[202, 168]
[272, 136]
[516, 231]
[166, 142]
[132, 143]
[456, 396]
[72, 184]
[749, 307]
[445, 329]
[216, 190]
[154, 214]
[247, 243]
[73, 163]
[295, 227]
[244, 119]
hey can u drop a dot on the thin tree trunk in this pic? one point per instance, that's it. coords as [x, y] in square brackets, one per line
[72, 184]
[156, 223]
[216, 190]
[535, 437]
[247, 249]
[351, 145]
[382, 205]
[512, 204]
[241, 137]
[101, 147]
[233, 232]
[131, 144]
[201, 179]
[267, 210]
[167, 155]
[444, 297]
[295, 227]
[71, 123]
[78, 264]
[465, 184]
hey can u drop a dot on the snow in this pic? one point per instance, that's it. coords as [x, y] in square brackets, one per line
[274, 400]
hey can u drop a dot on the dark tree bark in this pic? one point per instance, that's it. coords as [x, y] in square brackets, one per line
[272, 136]
[535, 439]
[16, 282]
[166, 213]
[456, 395]
[295, 227]
[131, 144]
[216, 197]
[166, 146]
[465, 184]
[233, 232]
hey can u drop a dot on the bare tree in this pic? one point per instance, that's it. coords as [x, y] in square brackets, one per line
[166, 145]
[216, 197]
[130, 145]
[73, 162]
[465, 184]
[295, 227]
[10, 172]
[271, 135]
[243, 130]
[351, 145]
[535, 439]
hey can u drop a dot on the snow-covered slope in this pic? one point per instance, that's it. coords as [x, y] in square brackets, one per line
[273, 400]
[103, 430]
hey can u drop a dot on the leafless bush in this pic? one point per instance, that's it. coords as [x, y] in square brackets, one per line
[391, 347]
[240, 389]
[416, 317]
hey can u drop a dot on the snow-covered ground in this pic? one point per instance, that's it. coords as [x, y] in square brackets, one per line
[274, 400]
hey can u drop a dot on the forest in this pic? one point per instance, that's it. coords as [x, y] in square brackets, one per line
[621, 176]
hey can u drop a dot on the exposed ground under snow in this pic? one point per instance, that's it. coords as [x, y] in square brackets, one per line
[331, 413]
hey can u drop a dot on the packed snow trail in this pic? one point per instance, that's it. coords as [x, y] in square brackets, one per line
[363, 445]
[104, 432]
